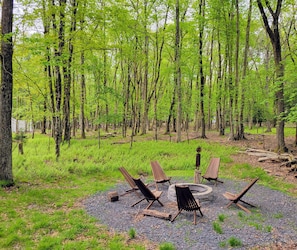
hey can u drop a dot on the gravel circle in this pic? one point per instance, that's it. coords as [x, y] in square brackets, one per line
[273, 220]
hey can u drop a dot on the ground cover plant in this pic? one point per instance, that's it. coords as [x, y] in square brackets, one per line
[43, 210]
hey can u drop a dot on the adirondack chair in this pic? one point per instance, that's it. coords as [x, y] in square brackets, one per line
[186, 201]
[158, 173]
[235, 198]
[212, 171]
[149, 195]
[129, 180]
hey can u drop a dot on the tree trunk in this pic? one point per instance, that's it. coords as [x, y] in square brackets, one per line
[67, 73]
[58, 82]
[210, 114]
[220, 100]
[229, 71]
[82, 97]
[43, 125]
[245, 67]
[274, 35]
[6, 86]
[145, 103]
[236, 87]
[178, 72]
[201, 73]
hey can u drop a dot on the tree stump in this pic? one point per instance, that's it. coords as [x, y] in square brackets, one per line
[21, 149]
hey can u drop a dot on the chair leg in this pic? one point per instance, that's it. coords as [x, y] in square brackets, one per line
[247, 203]
[200, 212]
[150, 204]
[243, 208]
[229, 204]
[195, 215]
[179, 211]
[160, 202]
[138, 202]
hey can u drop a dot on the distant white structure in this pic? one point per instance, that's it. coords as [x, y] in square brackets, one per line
[20, 125]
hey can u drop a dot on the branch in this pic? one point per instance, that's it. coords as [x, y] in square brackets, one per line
[278, 8]
[269, 8]
[265, 20]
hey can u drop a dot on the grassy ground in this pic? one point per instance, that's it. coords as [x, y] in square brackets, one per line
[44, 209]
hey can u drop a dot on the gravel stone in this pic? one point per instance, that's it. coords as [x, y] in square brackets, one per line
[273, 220]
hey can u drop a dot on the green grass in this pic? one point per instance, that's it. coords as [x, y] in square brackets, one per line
[222, 217]
[167, 246]
[256, 220]
[43, 210]
[290, 130]
[232, 242]
[132, 233]
[217, 227]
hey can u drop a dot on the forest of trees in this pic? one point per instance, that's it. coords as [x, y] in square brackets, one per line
[79, 65]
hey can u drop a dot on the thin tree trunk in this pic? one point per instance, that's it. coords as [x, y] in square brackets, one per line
[82, 97]
[82, 86]
[74, 118]
[210, 115]
[145, 103]
[67, 72]
[178, 72]
[230, 78]
[236, 85]
[245, 67]
[201, 73]
[220, 100]
[58, 81]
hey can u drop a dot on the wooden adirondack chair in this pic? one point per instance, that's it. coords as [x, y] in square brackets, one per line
[212, 171]
[186, 201]
[149, 195]
[158, 173]
[235, 198]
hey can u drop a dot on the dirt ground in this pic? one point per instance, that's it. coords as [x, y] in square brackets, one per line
[267, 143]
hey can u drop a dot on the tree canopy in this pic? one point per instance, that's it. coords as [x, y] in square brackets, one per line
[88, 65]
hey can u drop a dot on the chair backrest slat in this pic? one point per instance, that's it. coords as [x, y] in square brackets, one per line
[127, 177]
[158, 172]
[185, 198]
[242, 193]
[144, 189]
[213, 168]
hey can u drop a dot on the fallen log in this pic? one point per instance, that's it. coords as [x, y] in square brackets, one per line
[269, 156]
[289, 163]
[262, 154]
[157, 214]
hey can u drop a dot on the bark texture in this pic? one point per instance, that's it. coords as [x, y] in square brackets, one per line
[6, 93]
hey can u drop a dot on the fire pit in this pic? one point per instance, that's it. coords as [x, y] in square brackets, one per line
[199, 191]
